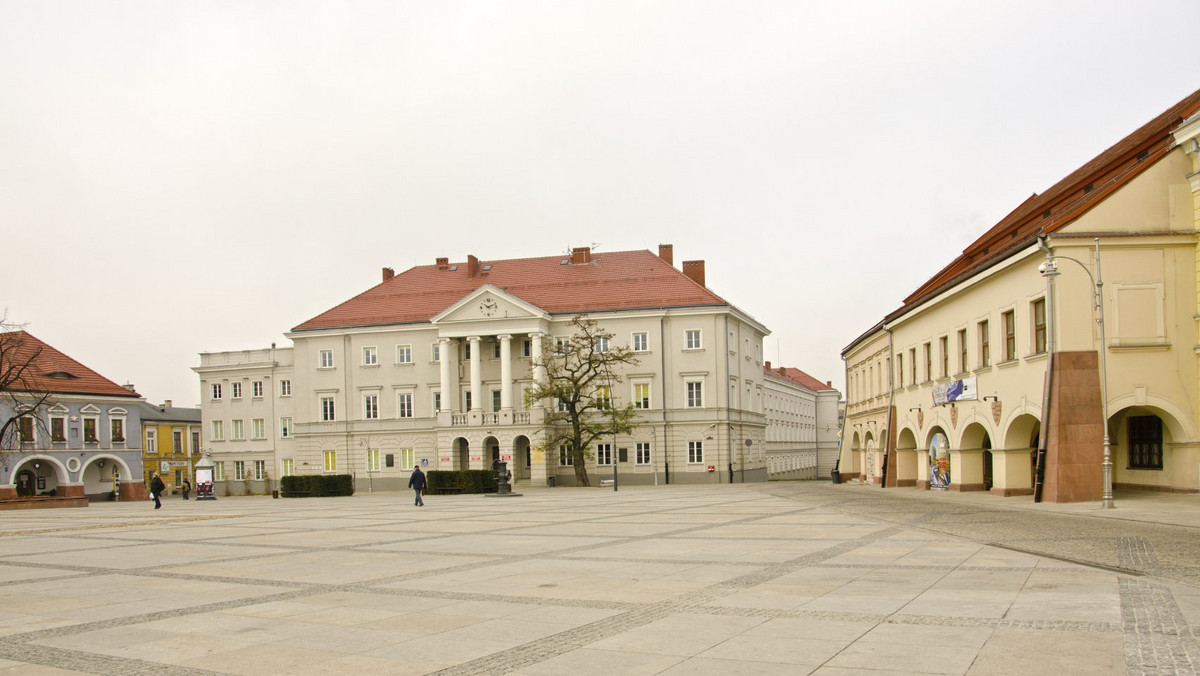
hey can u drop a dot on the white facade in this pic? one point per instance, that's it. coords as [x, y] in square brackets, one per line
[802, 425]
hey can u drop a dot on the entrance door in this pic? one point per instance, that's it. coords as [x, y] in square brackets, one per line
[26, 484]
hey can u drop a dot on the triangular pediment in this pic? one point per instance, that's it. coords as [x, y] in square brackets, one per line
[489, 303]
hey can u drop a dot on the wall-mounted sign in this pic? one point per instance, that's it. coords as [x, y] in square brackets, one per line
[956, 390]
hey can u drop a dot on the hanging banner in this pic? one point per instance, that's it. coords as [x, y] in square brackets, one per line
[955, 390]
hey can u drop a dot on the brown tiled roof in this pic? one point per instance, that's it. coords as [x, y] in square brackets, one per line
[621, 280]
[797, 376]
[53, 371]
[1065, 201]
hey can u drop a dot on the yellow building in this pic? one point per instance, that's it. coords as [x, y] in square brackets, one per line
[1077, 309]
[170, 443]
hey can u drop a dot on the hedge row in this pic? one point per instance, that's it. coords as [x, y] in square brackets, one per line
[316, 485]
[469, 480]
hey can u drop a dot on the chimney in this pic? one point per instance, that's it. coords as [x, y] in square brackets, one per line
[695, 271]
[388, 273]
[472, 266]
[581, 254]
[167, 403]
[768, 365]
[829, 384]
[129, 386]
[667, 253]
[443, 263]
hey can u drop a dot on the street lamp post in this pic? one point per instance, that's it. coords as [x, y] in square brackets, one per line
[1049, 270]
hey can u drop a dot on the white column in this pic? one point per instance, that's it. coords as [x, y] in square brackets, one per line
[505, 371]
[476, 374]
[447, 390]
[539, 372]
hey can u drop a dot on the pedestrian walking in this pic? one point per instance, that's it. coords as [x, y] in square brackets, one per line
[417, 483]
[156, 488]
[187, 488]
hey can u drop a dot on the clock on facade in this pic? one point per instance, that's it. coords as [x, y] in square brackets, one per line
[488, 307]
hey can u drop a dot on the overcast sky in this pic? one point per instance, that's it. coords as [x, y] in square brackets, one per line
[184, 177]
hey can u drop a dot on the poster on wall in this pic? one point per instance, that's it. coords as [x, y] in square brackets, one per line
[962, 389]
[939, 463]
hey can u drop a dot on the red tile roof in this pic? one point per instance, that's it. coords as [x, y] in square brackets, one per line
[1065, 201]
[798, 377]
[54, 371]
[620, 280]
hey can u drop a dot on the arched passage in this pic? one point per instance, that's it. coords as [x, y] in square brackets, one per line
[1146, 454]
[1016, 460]
[462, 453]
[906, 458]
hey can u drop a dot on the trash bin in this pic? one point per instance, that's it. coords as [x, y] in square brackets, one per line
[836, 476]
[550, 481]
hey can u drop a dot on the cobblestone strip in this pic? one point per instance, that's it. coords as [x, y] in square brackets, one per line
[1158, 639]
[1136, 552]
[93, 663]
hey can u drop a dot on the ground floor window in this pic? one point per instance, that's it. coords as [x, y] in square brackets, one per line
[564, 456]
[1145, 442]
[603, 454]
[643, 453]
[330, 461]
[695, 451]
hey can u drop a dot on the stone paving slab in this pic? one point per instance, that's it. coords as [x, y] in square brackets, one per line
[795, 578]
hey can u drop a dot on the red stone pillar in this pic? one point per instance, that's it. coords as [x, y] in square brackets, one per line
[1075, 430]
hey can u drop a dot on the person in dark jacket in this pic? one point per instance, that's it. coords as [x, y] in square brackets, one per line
[417, 483]
[186, 488]
[156, 488]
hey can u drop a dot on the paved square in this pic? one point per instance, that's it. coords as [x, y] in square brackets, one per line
[738, 579]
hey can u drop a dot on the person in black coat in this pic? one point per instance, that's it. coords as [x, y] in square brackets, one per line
[417, 483]
[156, 488]
[186, 488]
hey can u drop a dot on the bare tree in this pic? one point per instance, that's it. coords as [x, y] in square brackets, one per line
[580, 380]
[23, 393]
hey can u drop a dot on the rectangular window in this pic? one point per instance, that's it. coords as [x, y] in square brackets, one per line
[466, 351]
[962, 351]
[562, 345]
[327, 410]
[373, 460]
[928, 362]
[289, 467]
[25, 429]
[256, 389]
[437, 402]
[239, 470]
[604, 397]
[285, 427]
[1010, 335]
[692, 339]
[601, 344]
[527, 348]
[370, 357]
[404, 354]
[58, 429]
[1145, 442]
[151, 441]
[406, 458]
[259, 428]
[218, 430]
[436, 352]
[195, 443]
[285, 388]
[1039, 326]
[695, 394]
[985, 344]
[944, 344]
[641, 342]
[370, 407]
[117, 427]
[260, 469]
[91, 428]
[912, 366]
[604, 454]
[326, 359]
[330, 461]
[219, 470]
[695, 451]
[642, 455]
[216, 390]
[404, 404]
[177, 441]
[237, 390]
[564, 456]
[467, 401]
[238, 430]
[641, 395]
[899, 369]
[496, 350]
